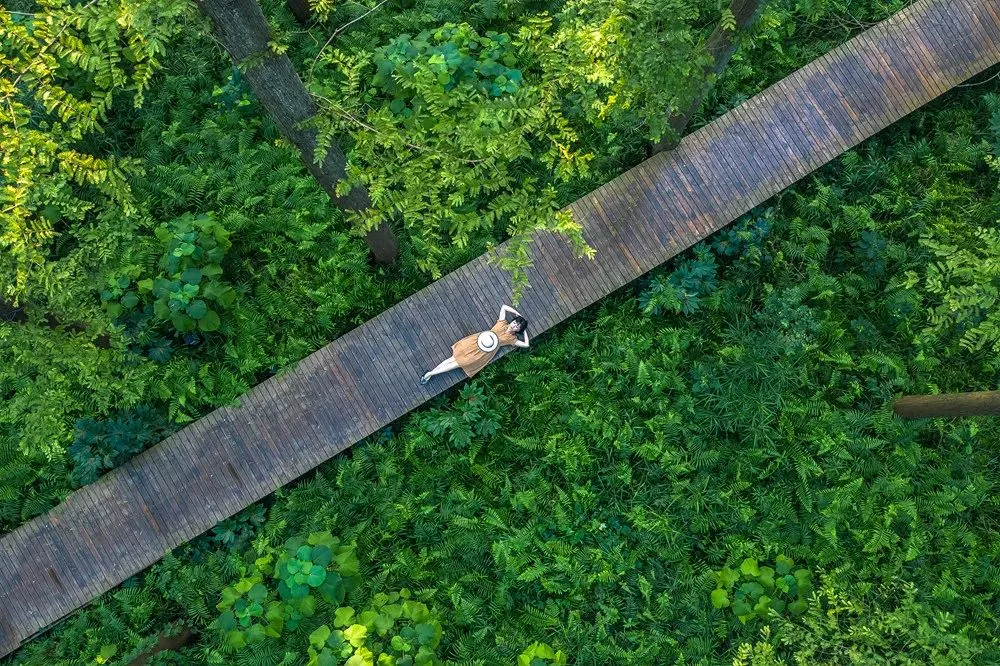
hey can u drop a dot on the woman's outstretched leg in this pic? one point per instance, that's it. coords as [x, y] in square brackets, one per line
[446, 365]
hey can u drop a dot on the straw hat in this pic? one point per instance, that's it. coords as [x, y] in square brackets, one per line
[488, 341]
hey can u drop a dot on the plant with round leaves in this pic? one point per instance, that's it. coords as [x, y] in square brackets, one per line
[397, 630]
[256, 608]
[319, 562]
[189, 291]
[756, 590]
[249, 611]
[541, 654]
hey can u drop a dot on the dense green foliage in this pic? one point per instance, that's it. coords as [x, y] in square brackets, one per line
[58, 88]
[680, 438]
[96, 317]
[97, 324]
[714, 473]
[283, 277]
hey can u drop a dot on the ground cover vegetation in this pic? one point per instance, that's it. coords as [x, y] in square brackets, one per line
[157, 261]
[715, 475]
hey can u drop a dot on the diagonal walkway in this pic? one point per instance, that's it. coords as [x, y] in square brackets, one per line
[110, 530]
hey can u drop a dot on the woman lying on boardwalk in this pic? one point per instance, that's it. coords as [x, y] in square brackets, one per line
[473, 352]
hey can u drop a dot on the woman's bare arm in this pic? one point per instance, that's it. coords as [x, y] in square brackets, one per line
[504, 309]
[523, 344]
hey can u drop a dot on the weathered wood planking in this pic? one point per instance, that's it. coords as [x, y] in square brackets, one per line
[284, 427]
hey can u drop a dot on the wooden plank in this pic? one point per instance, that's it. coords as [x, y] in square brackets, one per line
[606, 208]
[987, 20]
[831, 134]
[610, 265]
[202, 473]
[582, 282]
[235, 476]
[158, 493]
[736, 179]
[737, 150]
[723, 185]
[759, 129]
[646, 248]
[12, 551]
[869, 105]
[991, 23]
[917, 64]
[671, 204]
[77, 514]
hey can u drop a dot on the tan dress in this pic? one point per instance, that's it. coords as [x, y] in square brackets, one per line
[471, 358]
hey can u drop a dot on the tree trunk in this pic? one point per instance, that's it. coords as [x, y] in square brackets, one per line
[300, 8]
[721, 46]
[242, 30]
[982, 403]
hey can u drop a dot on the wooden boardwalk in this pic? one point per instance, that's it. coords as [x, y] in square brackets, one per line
[112, 529]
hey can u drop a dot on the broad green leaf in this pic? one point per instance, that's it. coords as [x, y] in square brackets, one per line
[306, 606]
[763, 606]
[783, 565]
[741, 607]
[362, 657]
[256, 634]
[210, 322]
[348, 563]
[383, 623]
[749, 567]
[191, 275]
[415, 610]
[226, 297]
[257, 593]
[322, 539]
[197, 309]
[727, 577]
[344, 616]
[236, 639]
[322, 556]
[355, 634]
[227, 621]
[424, 633]
[316, 576]
[766, 577]
[720, 598]
[318, 637]
[752, 590]
[333, 589]
[106, 654]
[229, 596]
[211, 270]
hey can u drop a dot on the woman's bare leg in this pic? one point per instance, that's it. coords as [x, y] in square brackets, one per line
[446, 365]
